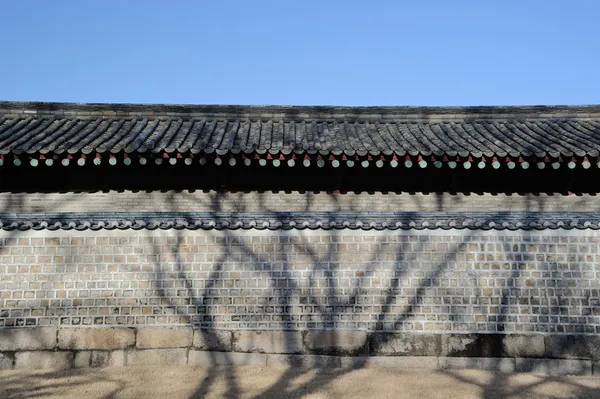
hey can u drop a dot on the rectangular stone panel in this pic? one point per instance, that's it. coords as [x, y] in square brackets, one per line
[268, 341]
[212, 340]
[35, 338]
[209, 358]
[405, 344]
[336, 342]
[145, 357]
[95, 338]
[43, 360]
[164, 337]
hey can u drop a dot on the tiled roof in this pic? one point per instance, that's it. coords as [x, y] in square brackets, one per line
[302, 220]
[542, 132]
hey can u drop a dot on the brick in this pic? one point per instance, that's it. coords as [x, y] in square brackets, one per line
[336, 342]
[268, 341]
[6, 361]
[43, 360]
[558, 367]
[164, 337]
[82, 359]
[524, 346]
[208, 358]
[401, 362]
[213, 340]
[406, 344]
[309, 361]
[105, 338]
[472, 345]
[165, 357]
[20, 339]
[573, 346]
[108, 359]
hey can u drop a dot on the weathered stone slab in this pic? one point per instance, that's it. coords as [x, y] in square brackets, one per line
[164, 337]
[108, 359]
[95, 338]
[401, 362]
[501, 364]
[573, 346]
[6, 361]
[82, 359]
[157, 357]
[208, 358]
[336, 342]
[267, 341]
[42, 360]
[472, 345]
[309, 361]
[556, 367]
[459, 362]
[524, 346]
[213, 340]
[22, 339]
[406, 344]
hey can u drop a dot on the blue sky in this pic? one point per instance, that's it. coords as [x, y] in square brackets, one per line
[303, 52]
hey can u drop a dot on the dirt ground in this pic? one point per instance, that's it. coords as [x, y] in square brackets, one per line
[265, 382]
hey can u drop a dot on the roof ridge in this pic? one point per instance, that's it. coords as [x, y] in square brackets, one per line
[302, 112]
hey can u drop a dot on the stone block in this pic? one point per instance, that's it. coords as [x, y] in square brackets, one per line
[524, 346]
[400, 362]
[459, 363]
[558, 367]
[104, 338]
[406, 344]
[309, 361]
[23, 339]
[501, 364]
[268, 341]
[140, 357]
[213, 340]
[6, 361]
[472, 345]
[208, 358]
[108, 359]
[573, 346]
[82, 359]
[336, 342]
[43, 360]
[164, 337]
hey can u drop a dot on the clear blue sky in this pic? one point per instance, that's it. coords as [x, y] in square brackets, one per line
[301, 52]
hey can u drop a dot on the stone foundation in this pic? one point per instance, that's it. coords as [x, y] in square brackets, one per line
[80, 347]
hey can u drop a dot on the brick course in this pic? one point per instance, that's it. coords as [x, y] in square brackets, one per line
[408, 281]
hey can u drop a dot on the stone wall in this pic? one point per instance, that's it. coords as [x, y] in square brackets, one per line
[435, 294]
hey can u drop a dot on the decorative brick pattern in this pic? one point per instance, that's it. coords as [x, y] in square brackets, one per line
[431, 281]
[197, 201]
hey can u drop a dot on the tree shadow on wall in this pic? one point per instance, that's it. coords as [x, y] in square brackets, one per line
[402, 293]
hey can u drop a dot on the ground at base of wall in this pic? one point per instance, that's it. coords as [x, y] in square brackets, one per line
[276, 382]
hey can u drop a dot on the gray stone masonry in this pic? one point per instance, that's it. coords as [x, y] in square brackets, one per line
[431, 281]
[349, 349]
